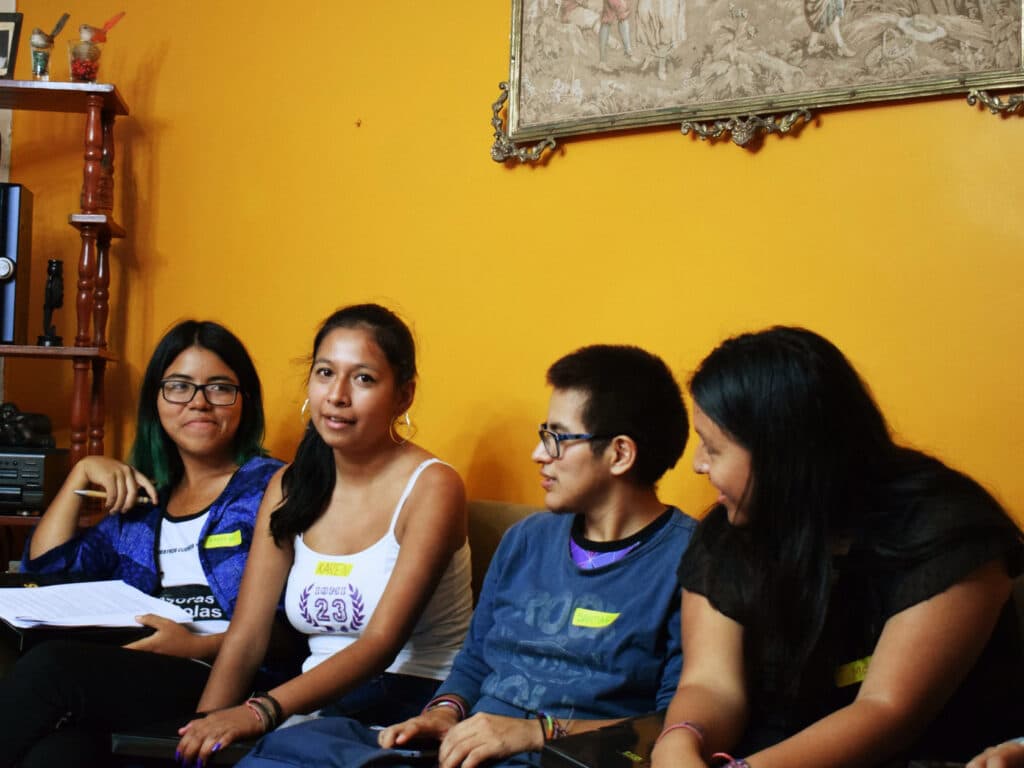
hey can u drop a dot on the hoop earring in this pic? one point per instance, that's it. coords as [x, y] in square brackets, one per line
[402, 430]
[304, 411]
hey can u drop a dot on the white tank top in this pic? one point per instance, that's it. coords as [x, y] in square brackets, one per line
[331, 598]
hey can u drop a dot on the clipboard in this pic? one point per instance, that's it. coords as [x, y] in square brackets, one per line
[627, 744]
[17, 640]
[160, 740]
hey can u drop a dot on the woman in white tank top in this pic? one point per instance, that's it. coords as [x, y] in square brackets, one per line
[365, 532]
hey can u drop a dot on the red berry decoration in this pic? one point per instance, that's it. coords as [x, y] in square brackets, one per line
[84, 70]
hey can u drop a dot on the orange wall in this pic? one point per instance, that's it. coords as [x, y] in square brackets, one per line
[277, 166]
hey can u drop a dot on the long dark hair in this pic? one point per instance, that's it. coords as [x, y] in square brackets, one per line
[824, 467]
[308, 483]
[153, 452]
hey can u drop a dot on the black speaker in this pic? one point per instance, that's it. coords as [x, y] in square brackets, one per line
[15, 262]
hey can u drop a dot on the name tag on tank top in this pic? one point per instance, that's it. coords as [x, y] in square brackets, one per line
[327, 568]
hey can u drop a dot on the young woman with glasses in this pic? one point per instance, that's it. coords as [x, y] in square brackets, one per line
[847, 599]
[198, 461]
[365, 532]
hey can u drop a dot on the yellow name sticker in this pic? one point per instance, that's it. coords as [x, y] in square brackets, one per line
[219, 540]
[584, 617]
[852, 673]
[326, 568]
[632, 756]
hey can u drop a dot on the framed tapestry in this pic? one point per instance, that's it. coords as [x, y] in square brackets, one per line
[583, 66]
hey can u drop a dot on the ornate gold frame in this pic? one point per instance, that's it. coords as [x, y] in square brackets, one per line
[528, 118]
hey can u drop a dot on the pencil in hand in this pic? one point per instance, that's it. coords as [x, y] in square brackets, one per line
[141, 499]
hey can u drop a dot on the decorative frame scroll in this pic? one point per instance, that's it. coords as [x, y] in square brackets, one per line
[744, 67]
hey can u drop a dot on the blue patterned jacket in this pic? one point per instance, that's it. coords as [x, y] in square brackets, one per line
[125, 546]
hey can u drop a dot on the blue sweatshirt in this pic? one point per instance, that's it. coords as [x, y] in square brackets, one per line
[576, 644]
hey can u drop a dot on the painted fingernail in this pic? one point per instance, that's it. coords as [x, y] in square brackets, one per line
[177, 756]
[199, 763]
[215, 747]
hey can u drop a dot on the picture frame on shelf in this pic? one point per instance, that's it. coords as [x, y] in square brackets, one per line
[10, 32]
[586, 66]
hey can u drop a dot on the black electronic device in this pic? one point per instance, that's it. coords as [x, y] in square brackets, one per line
[160, 741]
[29, 478]
[626, 744]
[15, 262]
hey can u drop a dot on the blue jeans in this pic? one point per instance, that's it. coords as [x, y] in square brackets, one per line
[338, 742]
[384, 700]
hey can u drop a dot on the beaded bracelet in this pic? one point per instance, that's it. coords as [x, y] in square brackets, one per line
[551, 727]
[447, 701]
[693, 728]
[732, 762]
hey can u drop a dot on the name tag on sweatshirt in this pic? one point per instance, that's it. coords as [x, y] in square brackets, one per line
[585, 617]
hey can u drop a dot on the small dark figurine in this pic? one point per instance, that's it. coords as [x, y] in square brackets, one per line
[54, 300]
[24, 429]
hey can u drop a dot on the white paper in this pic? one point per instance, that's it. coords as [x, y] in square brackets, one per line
[83, 604]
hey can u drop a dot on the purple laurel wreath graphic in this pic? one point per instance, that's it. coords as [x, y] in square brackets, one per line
[352, 616]
[358, 609]
[317, 619]
[304, 606]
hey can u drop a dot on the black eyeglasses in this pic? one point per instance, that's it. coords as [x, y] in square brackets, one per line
[552, 441]
[182, 392]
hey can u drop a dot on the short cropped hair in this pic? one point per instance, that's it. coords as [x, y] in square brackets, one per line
[630, 392]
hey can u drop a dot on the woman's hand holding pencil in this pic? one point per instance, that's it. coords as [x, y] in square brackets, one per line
[121, 486]
[90, 494]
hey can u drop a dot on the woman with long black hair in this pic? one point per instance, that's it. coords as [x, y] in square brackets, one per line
[847, 599]
[366, 533]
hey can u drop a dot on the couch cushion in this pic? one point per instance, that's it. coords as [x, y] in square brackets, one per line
[488, 521]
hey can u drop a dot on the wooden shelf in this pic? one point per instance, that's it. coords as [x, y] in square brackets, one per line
[101, 104]
[59, 97]
[56, 353]
[14, 520]
[106, 223]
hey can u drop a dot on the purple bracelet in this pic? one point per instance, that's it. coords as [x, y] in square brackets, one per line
[693, 728]
[732, 762]
[447, 701]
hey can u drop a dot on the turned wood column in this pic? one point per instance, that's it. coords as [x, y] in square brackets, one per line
[87, 267]
[98, 166]
[80, 410]
[92, 306]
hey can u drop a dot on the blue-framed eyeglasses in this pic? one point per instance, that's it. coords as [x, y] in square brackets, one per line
[552, 441]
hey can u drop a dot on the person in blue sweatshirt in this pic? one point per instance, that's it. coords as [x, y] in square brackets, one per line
[578, 621]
